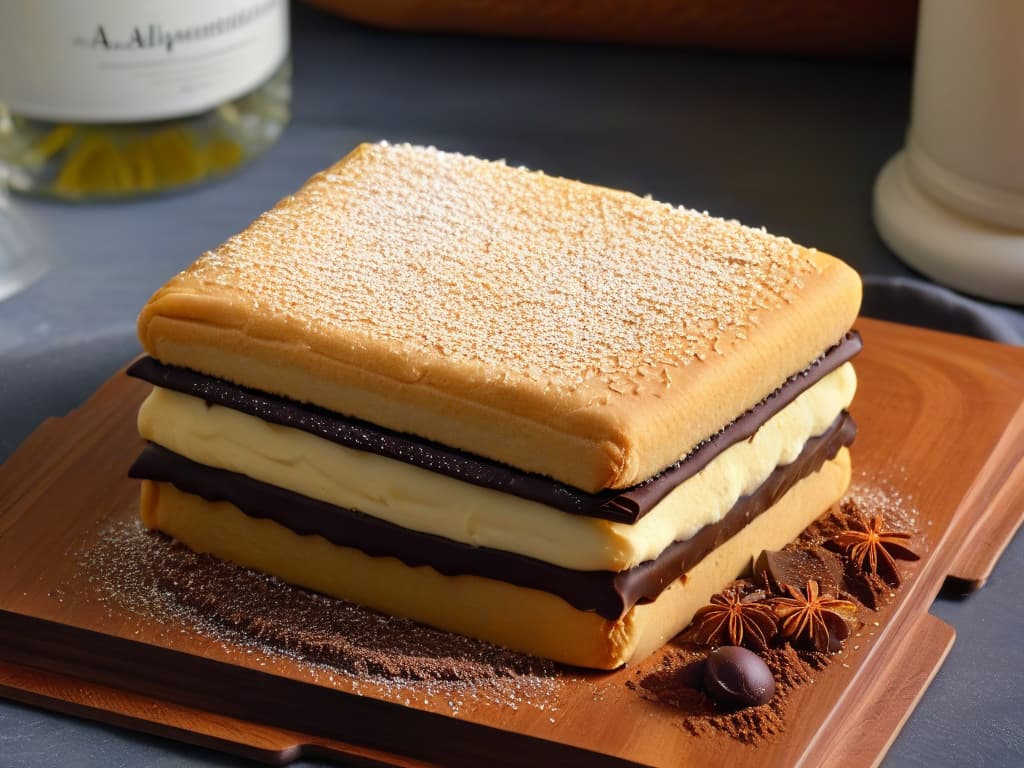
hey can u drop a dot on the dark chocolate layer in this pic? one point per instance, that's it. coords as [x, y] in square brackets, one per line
[608, 593]
[624, 506]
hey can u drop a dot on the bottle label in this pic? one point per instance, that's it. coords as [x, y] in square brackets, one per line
[131, 60]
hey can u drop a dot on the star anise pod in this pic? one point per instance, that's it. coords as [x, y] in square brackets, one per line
[869, 542]
[814, 620]
[734, 620]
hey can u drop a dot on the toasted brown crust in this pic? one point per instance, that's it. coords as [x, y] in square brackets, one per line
[566, 329]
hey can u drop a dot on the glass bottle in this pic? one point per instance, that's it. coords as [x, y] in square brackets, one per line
[121, 98]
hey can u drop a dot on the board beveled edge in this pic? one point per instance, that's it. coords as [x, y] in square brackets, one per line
[1003, 491]
[999, 493]
[260, 697]
[50, 690]
[125, 709]
[878, 715]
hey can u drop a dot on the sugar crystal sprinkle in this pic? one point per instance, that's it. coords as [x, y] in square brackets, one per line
[439, 255]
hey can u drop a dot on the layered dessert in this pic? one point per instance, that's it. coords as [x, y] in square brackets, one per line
[546, 414]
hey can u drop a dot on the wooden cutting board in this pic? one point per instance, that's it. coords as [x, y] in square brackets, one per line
[942, 425]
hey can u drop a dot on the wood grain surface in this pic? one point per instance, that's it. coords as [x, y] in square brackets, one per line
[941, 425]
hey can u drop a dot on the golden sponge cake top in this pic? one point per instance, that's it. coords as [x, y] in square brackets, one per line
[581, 332]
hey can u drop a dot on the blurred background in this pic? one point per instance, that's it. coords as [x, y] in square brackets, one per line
[778, 114]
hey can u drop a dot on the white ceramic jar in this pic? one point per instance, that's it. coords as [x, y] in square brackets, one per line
[951, 204]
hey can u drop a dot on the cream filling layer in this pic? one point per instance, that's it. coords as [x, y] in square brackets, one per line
[428, 502]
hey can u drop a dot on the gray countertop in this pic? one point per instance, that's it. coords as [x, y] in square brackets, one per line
[789, 143]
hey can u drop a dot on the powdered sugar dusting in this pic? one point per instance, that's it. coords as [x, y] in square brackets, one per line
[441, 256]
[881, 496]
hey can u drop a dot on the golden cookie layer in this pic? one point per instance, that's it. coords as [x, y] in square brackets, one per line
[580, 332]
[523, 619]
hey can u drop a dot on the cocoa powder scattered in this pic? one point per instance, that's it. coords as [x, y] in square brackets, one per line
[148, 574]
[676, 680]
[676, 683]
[151, 576]
[866, 588]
